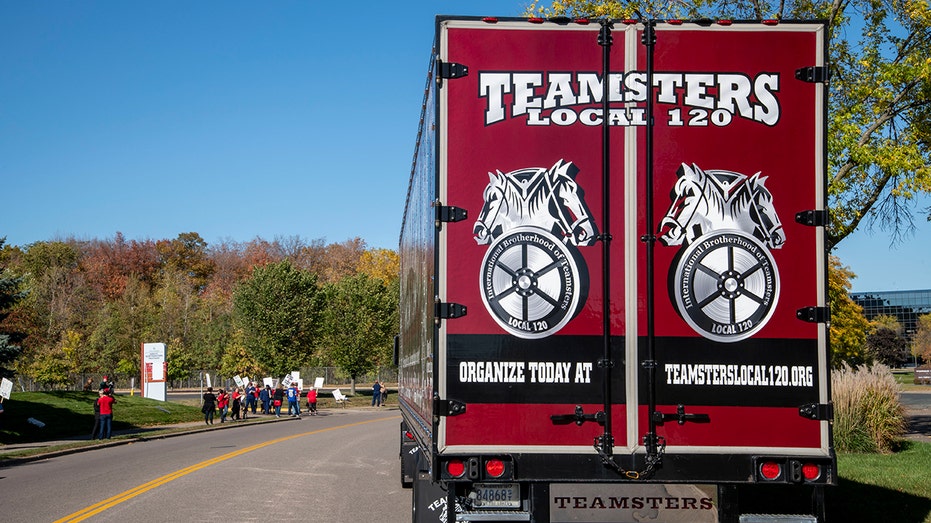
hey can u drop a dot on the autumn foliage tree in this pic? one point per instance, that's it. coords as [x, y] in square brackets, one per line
[921, 342]
[849, 327]
[82, 308]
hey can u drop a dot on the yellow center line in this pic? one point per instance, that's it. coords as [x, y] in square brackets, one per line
[97, 508]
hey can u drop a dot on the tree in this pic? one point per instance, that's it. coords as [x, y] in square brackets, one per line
[340, 260]
[109, 264]
[10, 295]
[277, 312]
[119, 327]
[359, 322]
[921, 342]
[886, 321]
[849, 327]
[187, 254]
[888, 347]
[880, 95]
[383, 264]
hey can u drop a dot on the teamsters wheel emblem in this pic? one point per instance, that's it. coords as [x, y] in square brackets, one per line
[727, 285]
[530, 282]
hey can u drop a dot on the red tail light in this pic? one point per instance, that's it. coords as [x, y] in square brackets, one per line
[811, 472]
[770, 470]
[455, 468]
[494, 468]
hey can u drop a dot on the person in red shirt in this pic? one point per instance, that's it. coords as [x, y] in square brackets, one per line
[106, 413]
[223, 403]
[312, 401]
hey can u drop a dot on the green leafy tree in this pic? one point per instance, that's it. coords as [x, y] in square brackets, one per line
[880, 95]
[211, 332]
[119, 328]
[359, 322]
[849, 326]
[277, 312]
[10, 295]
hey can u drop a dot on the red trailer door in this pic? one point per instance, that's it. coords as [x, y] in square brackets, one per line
[521, 150]
[738, 154]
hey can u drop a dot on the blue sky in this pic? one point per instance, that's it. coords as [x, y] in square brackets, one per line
[238, 120]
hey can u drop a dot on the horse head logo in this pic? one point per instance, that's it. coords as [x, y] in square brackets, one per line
[548, 199]
[704, 201]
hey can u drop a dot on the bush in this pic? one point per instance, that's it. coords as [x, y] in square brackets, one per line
[868, 416]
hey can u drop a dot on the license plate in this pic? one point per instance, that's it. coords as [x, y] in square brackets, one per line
[496, 495]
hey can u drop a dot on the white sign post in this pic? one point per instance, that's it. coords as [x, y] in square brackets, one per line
[154, 371]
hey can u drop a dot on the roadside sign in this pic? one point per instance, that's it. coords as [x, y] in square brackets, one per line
[6, 386]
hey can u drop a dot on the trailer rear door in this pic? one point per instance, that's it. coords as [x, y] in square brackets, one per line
[544, 289]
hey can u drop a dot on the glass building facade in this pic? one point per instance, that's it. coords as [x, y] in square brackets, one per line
[907, 306]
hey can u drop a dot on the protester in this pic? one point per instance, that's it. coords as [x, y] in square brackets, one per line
[237, 403]
[294, 403]
[251, 397]
[265, 396]
[96, 414]
[106, 384]
[277, 398]
[210, 405]
[312, 401]
[376, 394]
[106, 402]
[223, 403]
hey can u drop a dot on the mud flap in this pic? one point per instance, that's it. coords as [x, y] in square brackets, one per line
[428, 499]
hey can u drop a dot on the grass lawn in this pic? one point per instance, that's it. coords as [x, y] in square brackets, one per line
[68, 414]
[884, 487]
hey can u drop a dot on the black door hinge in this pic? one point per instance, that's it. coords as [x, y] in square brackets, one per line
[448, 407]
[813, 74]
[814, 314]
[817, 411]
[448, 311]
[450, 70]
[450, 214]
[813, 218]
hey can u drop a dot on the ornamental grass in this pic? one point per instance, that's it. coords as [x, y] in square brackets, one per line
[868, 416]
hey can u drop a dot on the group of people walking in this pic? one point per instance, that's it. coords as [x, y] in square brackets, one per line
[241, 400]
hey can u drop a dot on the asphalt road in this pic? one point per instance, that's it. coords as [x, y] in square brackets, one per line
[339, 466]
[918, 414]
